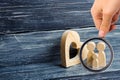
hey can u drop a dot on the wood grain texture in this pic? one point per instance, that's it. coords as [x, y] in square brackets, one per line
[30, 15]
[44, 15]
[69, 39]
[36, 55]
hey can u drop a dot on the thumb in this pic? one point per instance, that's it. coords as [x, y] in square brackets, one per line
[105, 25]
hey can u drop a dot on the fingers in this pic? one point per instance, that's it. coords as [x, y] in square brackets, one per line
[97, 18]
[115, 18]
[109, 18]
[109, 26]
[96, 14]
[105, 15]
[105, 25]
[108, 21]
[112, 24]
[97, 22]
[113, 27]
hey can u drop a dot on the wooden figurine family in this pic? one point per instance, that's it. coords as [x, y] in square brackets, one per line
[72, 38]
[96, 60]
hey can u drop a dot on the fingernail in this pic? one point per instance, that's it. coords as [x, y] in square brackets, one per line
[101, 33]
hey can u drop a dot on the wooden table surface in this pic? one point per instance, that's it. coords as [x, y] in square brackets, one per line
[36, 55]
[30, 33]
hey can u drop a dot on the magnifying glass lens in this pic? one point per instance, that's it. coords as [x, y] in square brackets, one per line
[99, 55]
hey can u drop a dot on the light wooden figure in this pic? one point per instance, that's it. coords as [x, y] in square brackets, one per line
[90, 46]
[101, 54]
[95, 62]
[69, 38]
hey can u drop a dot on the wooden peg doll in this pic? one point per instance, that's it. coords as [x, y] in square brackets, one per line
[101, 54]
[90, 46]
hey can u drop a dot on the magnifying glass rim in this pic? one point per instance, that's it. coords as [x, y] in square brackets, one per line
[111, 52]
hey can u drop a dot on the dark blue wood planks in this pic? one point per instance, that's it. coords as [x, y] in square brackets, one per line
[36, 55]
[39, 15]
[44, 15]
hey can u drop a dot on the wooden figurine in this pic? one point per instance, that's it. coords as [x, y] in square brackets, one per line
[95, 62]
[101, 54]
[90, 46]
[69, 38]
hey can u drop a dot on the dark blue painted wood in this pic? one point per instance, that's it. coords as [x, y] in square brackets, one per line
[30, 15]
[36, 55]
[114, 75]
[42, 15]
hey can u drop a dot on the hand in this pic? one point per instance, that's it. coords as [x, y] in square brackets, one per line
[105, 14]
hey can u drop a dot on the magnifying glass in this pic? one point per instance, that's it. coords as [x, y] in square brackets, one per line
[99, 56]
